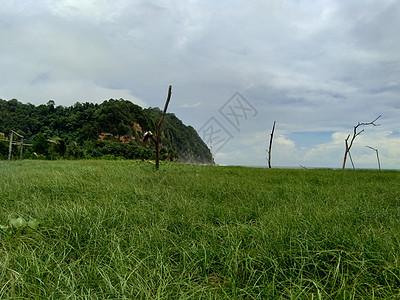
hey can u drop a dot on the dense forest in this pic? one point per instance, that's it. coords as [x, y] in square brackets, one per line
[113, 129]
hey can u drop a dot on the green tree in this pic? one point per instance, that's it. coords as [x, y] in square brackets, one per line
[83, 123]
[40, 144]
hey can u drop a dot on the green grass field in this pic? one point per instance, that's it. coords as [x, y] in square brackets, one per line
[121, 230]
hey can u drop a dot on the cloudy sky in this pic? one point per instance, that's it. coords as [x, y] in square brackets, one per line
[317, 68]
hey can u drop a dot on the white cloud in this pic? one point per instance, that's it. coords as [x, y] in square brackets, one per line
[69, 91]
[190, 105]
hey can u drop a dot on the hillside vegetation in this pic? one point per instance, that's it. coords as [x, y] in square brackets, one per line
[112, 129]
[119, 230]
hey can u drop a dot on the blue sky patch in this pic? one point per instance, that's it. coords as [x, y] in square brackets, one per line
[395, 134]
[309, 139]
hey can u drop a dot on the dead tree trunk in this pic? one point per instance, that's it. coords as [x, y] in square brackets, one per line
[149, 134]
[159, 127]
[355, 134]
[270, 145]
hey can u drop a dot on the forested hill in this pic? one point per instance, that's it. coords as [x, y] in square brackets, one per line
[113, 129]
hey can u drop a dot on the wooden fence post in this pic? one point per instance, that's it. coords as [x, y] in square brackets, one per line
[22, 145]
[10, 147]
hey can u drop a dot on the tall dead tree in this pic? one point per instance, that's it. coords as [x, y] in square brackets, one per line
[355, 134]
[270, 145]
[149, 134]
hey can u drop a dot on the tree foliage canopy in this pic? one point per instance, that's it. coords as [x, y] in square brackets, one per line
[113, 129]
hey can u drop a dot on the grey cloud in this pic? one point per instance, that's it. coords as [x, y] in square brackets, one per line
[308, 65]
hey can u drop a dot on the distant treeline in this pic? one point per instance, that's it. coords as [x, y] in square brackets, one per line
[111, 130]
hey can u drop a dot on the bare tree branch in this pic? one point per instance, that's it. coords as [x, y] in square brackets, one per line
[351, 160]
[377, 156]
[355, 134]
